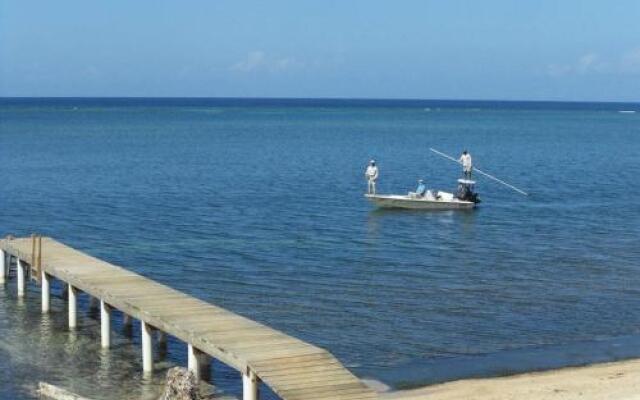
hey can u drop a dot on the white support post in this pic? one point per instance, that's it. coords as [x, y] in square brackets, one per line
[192, 357]
[105, 324]
[249, 385]
[73, 306]
[198, 362]
[147, 350]
[46, 292]
[21, 281]
[3, 265]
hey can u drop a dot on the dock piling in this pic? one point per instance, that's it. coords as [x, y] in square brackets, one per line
[105, 324]
[249, 385]
[20, 270]
[192, 360]
[73, 306]
[292, 369]
[3, 265]
[147, 350]
[46, 292]
[198, 362]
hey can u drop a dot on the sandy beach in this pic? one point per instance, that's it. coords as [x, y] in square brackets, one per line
[619, 381]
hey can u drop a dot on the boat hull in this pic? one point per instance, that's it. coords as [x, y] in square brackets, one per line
[406, 202]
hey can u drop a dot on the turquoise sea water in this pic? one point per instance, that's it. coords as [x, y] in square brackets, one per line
[257, 206]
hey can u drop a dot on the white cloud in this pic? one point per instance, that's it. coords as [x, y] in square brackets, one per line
[254, 60]
[630, 62]
[260, 61]
[558, 69]
[587, 63]
[593, 63]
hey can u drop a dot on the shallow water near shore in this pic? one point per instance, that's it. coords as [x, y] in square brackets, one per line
[257, 206]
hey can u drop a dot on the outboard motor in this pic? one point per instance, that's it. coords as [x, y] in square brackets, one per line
[466, 191]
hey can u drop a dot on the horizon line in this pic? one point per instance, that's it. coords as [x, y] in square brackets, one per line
[322, 98]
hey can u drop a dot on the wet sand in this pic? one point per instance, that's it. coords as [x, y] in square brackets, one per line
[619, 381]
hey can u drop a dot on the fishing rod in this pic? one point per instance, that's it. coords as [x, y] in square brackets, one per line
[481, 172]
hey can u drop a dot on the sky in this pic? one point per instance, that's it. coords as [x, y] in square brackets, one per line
[573, 50]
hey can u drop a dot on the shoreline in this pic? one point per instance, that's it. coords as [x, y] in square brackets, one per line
[427, 372]
[615, 380]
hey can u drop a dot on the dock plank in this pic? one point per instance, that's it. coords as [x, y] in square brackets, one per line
[295, 370]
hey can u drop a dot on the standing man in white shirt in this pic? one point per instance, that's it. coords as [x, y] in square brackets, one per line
[372, 176]
[467, 165]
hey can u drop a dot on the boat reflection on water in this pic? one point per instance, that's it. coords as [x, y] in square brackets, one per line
[421, 222]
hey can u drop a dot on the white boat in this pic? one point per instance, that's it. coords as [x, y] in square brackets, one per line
[466, 199]
[413, 203]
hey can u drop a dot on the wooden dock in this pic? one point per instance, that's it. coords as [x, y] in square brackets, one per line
[293, 369]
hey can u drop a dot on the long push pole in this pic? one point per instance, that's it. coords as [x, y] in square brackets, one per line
[481, 172]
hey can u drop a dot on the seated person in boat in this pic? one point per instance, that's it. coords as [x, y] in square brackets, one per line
[421, 190]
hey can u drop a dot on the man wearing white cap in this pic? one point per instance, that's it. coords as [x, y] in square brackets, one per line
[372, 175]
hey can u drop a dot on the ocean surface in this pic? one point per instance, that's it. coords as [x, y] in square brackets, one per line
[257, 206]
